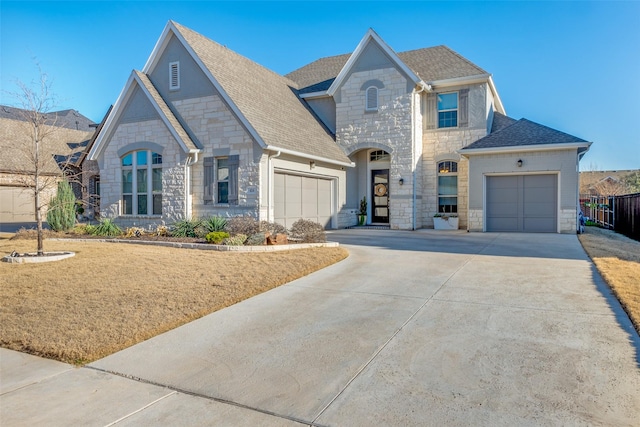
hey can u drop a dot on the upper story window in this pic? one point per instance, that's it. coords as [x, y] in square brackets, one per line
[142, 183]
[447, 110]
[448, 187]
[372, 99]
[174, 75]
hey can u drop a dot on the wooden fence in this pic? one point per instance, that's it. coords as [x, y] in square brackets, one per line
[619, 213]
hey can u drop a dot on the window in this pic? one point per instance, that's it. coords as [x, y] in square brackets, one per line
[372, 99]
[448, 110]
[142, 183]
[448, 187]
[379, 156]
[174, 75]
[222, 179]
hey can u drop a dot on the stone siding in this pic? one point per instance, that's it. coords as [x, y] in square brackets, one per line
[221, 134]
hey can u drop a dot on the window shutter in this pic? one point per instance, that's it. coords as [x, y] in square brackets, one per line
[174, 75]
[233, 162]
[430, 121]
[208, 179]
[463, 107]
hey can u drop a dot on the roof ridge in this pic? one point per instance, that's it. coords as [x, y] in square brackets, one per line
[181, 27]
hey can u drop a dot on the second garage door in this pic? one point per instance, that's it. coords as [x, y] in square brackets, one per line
[297, 196]
[522, 203]
[16, 205]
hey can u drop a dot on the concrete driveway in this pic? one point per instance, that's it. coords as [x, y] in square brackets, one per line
[414, 328]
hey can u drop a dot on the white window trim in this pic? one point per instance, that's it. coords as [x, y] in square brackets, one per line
[368, 107]
[174, 67]
[439, 174]
[457, 109]
[134, 184]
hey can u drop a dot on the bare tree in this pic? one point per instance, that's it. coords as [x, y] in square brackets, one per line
[35, 143]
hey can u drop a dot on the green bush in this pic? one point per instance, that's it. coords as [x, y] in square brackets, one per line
[214, 223]
[256, 239]
[216, 237]
[237, 240]
[187, 228]
[106, 227]
[308, 231]
[62, 209]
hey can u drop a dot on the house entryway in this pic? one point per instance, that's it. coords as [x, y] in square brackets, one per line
[380, 196]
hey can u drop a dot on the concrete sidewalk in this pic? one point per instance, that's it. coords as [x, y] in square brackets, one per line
[422, 328]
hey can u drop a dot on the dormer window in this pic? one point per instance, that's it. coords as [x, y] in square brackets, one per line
[174, 75]
[372, 99]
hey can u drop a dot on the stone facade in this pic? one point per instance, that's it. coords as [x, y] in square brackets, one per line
[220, 134]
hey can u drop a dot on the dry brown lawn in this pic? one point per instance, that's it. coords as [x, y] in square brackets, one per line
[617, 258]
[111, 296]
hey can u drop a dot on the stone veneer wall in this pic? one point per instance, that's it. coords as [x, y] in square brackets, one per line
[173, 174]
[389, 128]
[221, 134]
[89, 169]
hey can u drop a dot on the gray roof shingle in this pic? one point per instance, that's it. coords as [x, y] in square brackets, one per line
[500, 121]
[268, 101]
[523, 133]
[70, 119]
[430, 64]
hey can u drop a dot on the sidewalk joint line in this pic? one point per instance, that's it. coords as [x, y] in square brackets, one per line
[140, 409]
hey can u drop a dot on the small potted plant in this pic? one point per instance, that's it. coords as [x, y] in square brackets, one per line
[444, 221]
[362, 213]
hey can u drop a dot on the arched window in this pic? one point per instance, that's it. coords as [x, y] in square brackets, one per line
[142, 183]
[448, 187]
[372, 99]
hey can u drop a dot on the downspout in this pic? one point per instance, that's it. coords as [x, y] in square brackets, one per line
[269, 184]
[191, 160]
[423, 87]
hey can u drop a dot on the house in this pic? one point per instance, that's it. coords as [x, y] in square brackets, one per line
[67, 134]
[202, 130]
[609, 183]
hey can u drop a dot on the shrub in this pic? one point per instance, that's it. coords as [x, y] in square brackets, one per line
[308, 231]
[162, 230]
[256, 239]
[62, 208]
[214, 223]
[273, 228]
[106, 227]
[237, 240]
[246, 225]
[187, 228]
[216, 237]
[134, 232]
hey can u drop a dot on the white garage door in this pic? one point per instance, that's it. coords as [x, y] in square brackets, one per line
[305, 197]
[522, 203]
[16, 205]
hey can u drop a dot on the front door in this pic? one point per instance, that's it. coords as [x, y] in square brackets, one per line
[380, 196]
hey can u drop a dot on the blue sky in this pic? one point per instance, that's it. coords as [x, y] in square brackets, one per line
[573, 66]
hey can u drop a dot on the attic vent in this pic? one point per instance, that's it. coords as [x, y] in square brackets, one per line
[372, 99]
[174, 75]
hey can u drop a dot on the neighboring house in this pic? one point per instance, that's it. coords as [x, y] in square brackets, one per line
[608, 183]
[204, 131]
[68, 133]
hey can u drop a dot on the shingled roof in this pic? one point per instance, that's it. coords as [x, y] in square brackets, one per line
[430, 64]
[267, 100]
[70, 119]
[523, 133]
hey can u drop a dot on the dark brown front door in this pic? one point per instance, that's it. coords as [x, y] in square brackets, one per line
[380, 196]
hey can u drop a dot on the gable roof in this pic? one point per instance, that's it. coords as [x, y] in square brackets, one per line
[525, 134]
[370, 37]
[70, 119]
[430, 64]
[266, 102]
[138, 79]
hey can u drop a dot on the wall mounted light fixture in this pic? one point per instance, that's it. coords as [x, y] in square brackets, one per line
[401, 181]
[519, 163]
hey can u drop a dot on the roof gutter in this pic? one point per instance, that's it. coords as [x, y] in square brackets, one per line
[311, 157]
[466, 152]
